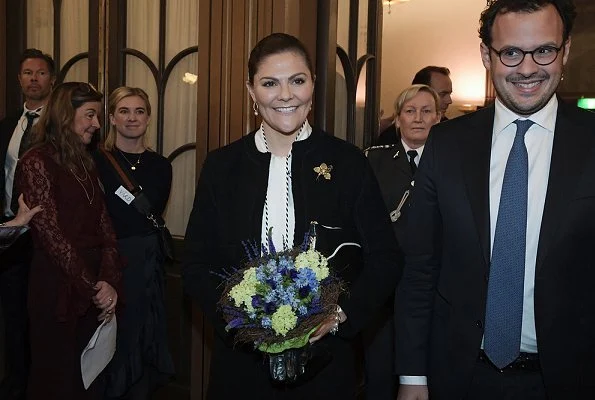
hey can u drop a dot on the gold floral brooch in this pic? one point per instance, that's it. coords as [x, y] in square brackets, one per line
[324, 170]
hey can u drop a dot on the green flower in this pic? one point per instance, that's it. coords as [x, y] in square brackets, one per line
[283, 320]
[315, 261]
[242, 292]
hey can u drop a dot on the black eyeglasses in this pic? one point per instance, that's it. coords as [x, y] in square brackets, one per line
[513, 56]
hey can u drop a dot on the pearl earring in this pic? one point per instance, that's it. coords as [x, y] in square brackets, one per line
[255, 108]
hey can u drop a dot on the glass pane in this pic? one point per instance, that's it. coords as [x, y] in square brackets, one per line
[181, 104]
[182, 26]
[360, 106]
[74, 29]
[362, 34]
[142, 27]
[40, 25]
[180, 129]
[182, 193]
[343, 24]
[79, 72]
[139, 75]
[340, 102]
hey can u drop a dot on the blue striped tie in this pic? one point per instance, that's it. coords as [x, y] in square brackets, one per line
[504, 308]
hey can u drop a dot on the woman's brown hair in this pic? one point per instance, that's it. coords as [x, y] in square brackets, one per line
[55, 124]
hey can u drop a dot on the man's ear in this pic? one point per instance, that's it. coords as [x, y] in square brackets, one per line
[485, 56]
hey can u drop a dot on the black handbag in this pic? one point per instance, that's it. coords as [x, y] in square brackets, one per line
[142, 204]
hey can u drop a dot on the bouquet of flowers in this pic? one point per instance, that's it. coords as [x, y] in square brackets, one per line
[278, 300]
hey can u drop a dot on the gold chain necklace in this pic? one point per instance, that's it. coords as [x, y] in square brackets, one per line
[132, 166]
[83, 179]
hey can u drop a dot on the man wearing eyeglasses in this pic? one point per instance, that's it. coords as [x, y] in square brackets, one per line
[36, 77]
[497, 299]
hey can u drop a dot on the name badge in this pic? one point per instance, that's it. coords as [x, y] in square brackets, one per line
[124, 194]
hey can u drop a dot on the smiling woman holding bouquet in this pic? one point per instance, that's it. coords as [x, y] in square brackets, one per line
[267, 188]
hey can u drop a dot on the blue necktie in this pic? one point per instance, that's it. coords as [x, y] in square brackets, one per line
[504, 308]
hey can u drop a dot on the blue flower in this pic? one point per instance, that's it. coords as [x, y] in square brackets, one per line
[304, 292]
[256, 301]
[302, 310]
[269, 308]
[266, 322]
[306, 277]
[234, 323]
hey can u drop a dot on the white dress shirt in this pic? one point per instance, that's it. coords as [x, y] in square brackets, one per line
[539, 141]
[279, 187]
[12, 157]
[420, 151]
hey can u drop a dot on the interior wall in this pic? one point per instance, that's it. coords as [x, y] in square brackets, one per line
[433, 32]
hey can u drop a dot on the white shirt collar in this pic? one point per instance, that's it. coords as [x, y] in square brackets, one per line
[546, 117]
[419, 150]
[261, 145]
[38, 110]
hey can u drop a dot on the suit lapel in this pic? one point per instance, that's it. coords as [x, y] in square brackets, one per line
[475, 153]
[572, 145]
[401, 163]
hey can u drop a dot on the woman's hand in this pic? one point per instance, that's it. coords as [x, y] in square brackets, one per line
[105, 299]
[327, 325]
[24, 214]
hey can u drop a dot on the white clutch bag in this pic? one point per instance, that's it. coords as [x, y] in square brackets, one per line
[99, 351]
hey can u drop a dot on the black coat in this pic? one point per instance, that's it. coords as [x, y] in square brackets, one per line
[392, 169]
[7, 127]
[228, 209]
[441, 299]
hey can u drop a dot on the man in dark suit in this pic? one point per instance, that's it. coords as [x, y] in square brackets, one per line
[394, 166]
[496, 300]
[36, 77]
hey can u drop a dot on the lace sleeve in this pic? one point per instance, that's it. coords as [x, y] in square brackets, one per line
[110, 259]
[38, 185]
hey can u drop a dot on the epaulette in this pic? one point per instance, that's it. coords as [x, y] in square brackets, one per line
[382, 146]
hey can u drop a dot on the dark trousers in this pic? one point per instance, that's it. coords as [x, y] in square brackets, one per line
[378, 339]
[489, 383]
[14, 272]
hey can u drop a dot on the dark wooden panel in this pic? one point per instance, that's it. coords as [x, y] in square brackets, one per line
[2, 58]
[15, 44]
[179, 325]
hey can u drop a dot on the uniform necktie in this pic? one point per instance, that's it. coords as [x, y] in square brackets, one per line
[412, 154]
[26, 139]
[504, 308]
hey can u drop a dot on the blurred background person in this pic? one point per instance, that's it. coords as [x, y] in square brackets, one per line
[267, 180]
[24, 215]
[438, 78]
[142, 360]
[75, 267]
[417, 110]
[36, 77]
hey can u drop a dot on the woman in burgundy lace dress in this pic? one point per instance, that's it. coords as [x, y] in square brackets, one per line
[75, 267]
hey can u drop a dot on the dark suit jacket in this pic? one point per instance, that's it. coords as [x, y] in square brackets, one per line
[392, 169]
[7, 126]
[442, 296]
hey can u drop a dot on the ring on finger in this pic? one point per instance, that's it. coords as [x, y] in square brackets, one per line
[110, 299]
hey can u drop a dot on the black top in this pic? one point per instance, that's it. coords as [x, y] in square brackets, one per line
[228, 209]
[153, 173]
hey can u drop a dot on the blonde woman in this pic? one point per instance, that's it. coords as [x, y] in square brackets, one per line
[142, 360]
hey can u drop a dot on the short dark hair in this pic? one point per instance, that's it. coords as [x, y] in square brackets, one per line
[424, 75]
[274, 44]
[36, 53]
[565, 8]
